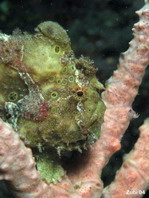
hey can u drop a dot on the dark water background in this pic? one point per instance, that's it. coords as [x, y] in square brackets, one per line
[98, 29]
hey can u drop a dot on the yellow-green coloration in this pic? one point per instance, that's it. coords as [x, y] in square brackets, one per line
[49, 167]
[56, 94]
[51, 98]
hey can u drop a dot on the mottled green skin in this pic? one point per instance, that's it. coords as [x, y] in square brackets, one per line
[50, 98]
[56, 95]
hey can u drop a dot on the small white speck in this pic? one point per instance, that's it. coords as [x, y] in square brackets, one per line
[4, 37]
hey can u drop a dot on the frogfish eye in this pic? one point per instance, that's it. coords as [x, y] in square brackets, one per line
[80, 93]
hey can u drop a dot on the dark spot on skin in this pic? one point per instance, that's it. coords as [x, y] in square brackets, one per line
[64, 82]
[71, 79]
[79, 66]
[80, 93]
[54, 94]
[13, 96]
[56, 136]
[57, 49]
